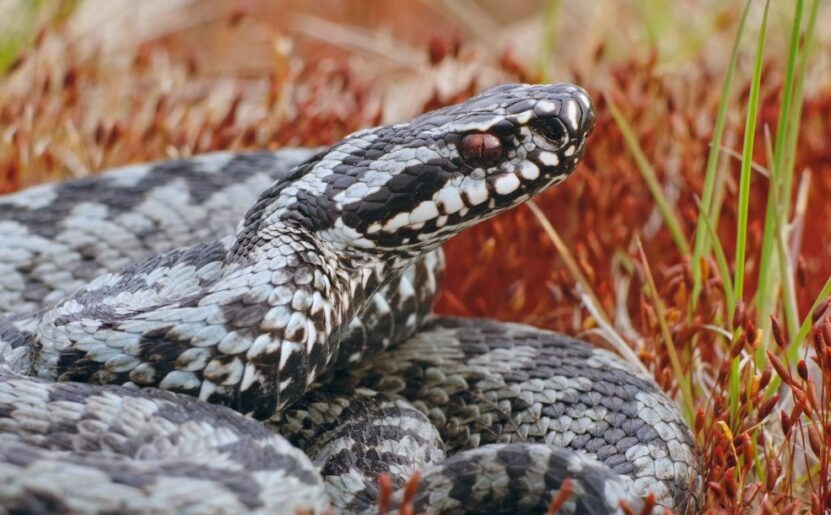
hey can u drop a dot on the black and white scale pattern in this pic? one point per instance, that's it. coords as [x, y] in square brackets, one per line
[138, 302]
[482, 382]
[58, 237]
[71, 447]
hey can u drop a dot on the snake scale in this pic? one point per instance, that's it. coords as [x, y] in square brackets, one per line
[160, 357]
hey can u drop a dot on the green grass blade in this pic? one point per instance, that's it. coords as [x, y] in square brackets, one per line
[766, 292]
[721, 258]
[669, 216]
[793, 130]
[783, 260]
[747, 162]
[702, 240]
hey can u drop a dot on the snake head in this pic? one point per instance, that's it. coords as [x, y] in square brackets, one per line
[404, 189]
[427, 179]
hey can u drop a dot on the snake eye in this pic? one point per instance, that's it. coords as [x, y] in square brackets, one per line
[552, 128]
[481, 149]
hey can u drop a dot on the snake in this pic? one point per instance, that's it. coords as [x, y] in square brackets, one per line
[252, 332]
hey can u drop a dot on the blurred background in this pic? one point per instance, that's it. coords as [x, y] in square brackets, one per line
[90, 84]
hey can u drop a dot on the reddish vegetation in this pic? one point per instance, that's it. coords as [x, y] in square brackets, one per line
[59, 120]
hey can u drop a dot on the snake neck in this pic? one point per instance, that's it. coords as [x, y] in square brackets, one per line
[328, 288]
[251, 331]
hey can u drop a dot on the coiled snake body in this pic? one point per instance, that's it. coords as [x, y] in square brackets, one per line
[137, 335]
